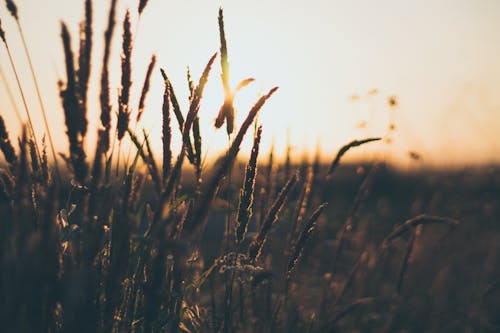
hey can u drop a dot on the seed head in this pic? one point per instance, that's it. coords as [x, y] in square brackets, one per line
[2, 33]
[142, 6]
[12, 8]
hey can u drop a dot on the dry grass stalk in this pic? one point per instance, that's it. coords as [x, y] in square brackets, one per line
[247, 192]
[103, 139]
[198, 94]
[142, 6]
[45, 163]
[177, 228]
[413, 222]
[104, 142]
[178, 113]
[21, 190]
[288, 156]
[152, 299]
[175, 174]
[316, 162]
[194, 107]
[197, 148]
[146, 157]
[361, 194]
[76, 122]
[266, 192]
[35, 165]
[243, 83]
[145, 87]
[12, 8]
[2, 33]
[85, 56]
[255, 248]
[344, 150]
[97, 164]
[304, 236]
[5, 144]
[167, 193]
[8, 90]
[155, 174]
[166, 133]
[226, 111]
[223, 52]
[307, 194]
[303, 201]
[405, 262]
[18, 81]
[190, 84]
[347, 283]
[173, 98]
[126, 80]
[196, 133]
[119, 250]
[199, 216]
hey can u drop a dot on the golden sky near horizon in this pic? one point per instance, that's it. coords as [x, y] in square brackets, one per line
[440, 58]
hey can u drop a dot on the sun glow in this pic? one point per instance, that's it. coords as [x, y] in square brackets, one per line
[319, 54]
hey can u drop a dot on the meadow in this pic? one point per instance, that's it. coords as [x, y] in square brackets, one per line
[109, 240]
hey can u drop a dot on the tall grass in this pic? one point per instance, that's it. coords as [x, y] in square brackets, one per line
[98, 254]
[12, 8]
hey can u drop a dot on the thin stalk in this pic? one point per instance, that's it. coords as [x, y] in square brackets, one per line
[227, 233]
[360, 196]
[23, 97]
[40, 101]
[11, 96]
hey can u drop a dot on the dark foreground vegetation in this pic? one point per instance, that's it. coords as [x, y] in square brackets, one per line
[123, 243]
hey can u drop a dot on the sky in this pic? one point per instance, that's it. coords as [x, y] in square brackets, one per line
[336, 62]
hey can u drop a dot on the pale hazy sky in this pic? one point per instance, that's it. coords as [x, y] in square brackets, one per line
[440, 58]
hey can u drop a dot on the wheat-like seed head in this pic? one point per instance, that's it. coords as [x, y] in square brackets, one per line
[85, 56]
[247, 192]
[126, 80]
[12, 8]
[166, 133]
[304, 236]
[5, 144]
[2, 33]
[145, 87]
[142, 6]
[255, 248]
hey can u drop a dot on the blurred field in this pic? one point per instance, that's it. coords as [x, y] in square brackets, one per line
[451, 280]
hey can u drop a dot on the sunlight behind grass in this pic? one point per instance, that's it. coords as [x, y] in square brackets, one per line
[319, 54]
